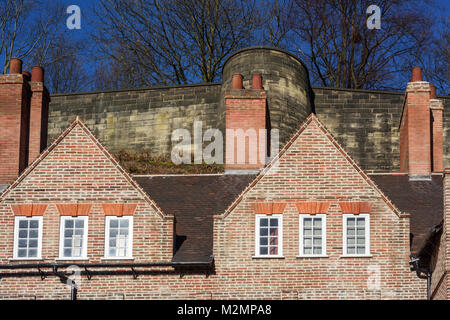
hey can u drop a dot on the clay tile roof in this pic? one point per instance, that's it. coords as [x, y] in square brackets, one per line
[193, 200]
[423, 200]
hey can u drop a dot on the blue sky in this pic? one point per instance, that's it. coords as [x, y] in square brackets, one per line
[87, 21]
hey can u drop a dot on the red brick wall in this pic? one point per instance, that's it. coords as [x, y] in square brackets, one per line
[418, 141]
[313, 169]
[437, 109]
[14, 126]
[38, 120]
[245, 109]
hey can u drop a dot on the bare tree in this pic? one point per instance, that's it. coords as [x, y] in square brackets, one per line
[35, 31]
[341, 51]
[174, 41]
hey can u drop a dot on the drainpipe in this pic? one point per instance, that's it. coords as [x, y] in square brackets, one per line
[421, 274]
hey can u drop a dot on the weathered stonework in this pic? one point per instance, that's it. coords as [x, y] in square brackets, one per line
[365, 122]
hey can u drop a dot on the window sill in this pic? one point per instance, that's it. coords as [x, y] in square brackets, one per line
[315, 256]
[116, 258]
[26, 259]
[356, 256]
[268, 257]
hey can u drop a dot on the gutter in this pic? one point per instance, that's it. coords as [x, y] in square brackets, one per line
[40, 270]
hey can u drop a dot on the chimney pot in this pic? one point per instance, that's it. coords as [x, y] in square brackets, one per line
[27, 75]
[416, 74]
[37, 74]
[15, 66]
[257, 81]
[236, 82]
[433, 91]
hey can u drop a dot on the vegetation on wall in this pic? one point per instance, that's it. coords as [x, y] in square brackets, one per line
[144, 162]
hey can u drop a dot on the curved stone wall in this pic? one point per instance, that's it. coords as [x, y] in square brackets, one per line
[284, 77]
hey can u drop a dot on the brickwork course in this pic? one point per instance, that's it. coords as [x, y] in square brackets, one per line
[358, 153]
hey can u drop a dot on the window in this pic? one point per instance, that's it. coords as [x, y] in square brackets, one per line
[312, 235]
[269, 235]
[27, 238]
[356, 235]
[119, 237]
[73, 237]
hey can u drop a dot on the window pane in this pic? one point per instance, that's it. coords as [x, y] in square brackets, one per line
[68, 223]
[114, 223]
[351, 250]
[67, 243]
[32, 253]
[273, 222]
[79, 223]
[23, 234]
[318, 232]
[263, 250]
[274, 241]
[307, 232]
[350, 242]
[263, 222]
[361, 222]
[124, 223]
[67, 252]
[274, 250]
[113, 233]
[112, 252]
[361, 250]
[33, 233]
[273, 231]
[318, 250]
[308, 242]
[307, 250]
[22, 243]
[33, 244]
[318, 223]
[22, 253]
[23, 224]
[263, 241]
[68, 233]
[317, 242]
[263, 232]
[34, 224]
[307, 222]
[123, 232]
[350, 222]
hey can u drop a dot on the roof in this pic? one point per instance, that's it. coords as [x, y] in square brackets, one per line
[423, 200]
[194, 200]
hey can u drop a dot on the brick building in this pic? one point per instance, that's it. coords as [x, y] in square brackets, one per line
[360, 214]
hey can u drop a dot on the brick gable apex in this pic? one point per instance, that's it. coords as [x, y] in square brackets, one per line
[312, 118]
[79, 124]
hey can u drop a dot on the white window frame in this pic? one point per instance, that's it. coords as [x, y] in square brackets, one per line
[61, 238]
[130, 237]
[324, 234]
[258, 217]
[17, 219]
[367, 234]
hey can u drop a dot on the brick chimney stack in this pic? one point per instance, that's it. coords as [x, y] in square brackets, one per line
[421, 135]
[14, 122]
[38, 113]
[246, 121]
[437, 110]
[22, 95]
